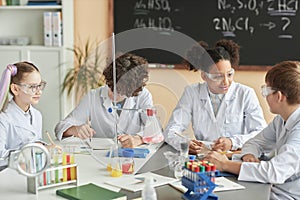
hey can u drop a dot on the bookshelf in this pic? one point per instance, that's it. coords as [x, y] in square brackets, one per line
[20, 21]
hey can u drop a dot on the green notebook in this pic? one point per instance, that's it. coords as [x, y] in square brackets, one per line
[89, 192]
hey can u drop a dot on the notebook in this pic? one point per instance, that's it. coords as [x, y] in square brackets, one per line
[90, 192]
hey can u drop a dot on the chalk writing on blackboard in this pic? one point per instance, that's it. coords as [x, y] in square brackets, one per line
[259, 26]
[285, 9]
[233, 16]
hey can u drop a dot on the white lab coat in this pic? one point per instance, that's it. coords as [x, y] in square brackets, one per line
[17, 128]
[239, 117]
[283, 170]
[95, 106]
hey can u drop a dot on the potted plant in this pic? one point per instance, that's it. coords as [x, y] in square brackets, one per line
[86, 72]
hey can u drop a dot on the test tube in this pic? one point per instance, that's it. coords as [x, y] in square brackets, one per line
[38, 156]
[72, 161]
[56, 173]
[64, 163]
[213, 172]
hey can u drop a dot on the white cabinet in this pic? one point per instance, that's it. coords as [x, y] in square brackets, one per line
[17, 21]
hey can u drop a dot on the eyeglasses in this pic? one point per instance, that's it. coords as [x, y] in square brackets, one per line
[220, 77]
[32, 88]
[266, 91]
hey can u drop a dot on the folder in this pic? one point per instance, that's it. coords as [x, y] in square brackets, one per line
[48, 28]
[138, 152]
[57, 29]
[90, 192]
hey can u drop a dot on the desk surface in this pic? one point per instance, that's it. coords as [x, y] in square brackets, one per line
[14, 186]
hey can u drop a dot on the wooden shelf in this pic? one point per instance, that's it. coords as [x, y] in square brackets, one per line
[31, 7]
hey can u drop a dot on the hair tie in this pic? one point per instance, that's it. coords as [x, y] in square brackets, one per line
[10, 71]
[13, 69]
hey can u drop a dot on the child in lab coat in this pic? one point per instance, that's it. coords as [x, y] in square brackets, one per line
[20, 122]
[282, 136]
[94, 116]
[220, 110]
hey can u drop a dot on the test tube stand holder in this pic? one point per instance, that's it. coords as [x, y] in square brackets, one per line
[202, 186]
[33, 182]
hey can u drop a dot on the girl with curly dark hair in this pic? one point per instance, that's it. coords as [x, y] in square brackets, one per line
[221, 111]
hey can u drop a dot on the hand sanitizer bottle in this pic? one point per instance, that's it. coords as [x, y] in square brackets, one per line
[149, 193]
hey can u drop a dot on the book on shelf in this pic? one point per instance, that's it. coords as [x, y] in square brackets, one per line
[43, 2]
[56, 29]
[53, 29]
[48, 28]
[90, 192]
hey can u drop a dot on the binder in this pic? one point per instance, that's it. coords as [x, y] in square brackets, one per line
[90, 192]
[57, 29]
[48, 28]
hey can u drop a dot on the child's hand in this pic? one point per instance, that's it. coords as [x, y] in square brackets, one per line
[129, 141]
[196, 147]
[223, 144]
[250, 158]
[217, 159]
[84, 131]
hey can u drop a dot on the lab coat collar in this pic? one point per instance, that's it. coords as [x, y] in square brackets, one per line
[293, 119]
[107, 102]
[231, 94]
[22, 120]
[227, 97]
[18, 109]
[204, 97]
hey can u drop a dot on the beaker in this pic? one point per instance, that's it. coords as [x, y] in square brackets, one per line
[128, 162]
[115, 163]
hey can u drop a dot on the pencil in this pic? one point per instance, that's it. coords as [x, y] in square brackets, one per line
[180, 135]
[51, 141]
[89, 123]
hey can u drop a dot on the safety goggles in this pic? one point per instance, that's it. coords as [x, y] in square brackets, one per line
[220, 77]
[266, 90]
[32, 88]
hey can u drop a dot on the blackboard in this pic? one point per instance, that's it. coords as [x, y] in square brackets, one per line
[268, 31]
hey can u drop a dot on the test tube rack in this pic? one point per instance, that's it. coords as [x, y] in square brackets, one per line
[48, 178]
[200, 185]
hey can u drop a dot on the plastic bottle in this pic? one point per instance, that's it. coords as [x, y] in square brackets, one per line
[152, 131]
[148, 192]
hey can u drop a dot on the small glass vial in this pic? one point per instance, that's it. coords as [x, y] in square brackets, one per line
[128, 162]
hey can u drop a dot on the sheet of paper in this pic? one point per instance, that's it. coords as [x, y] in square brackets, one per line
[134, 183]
[100, 143]
[223, 184]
